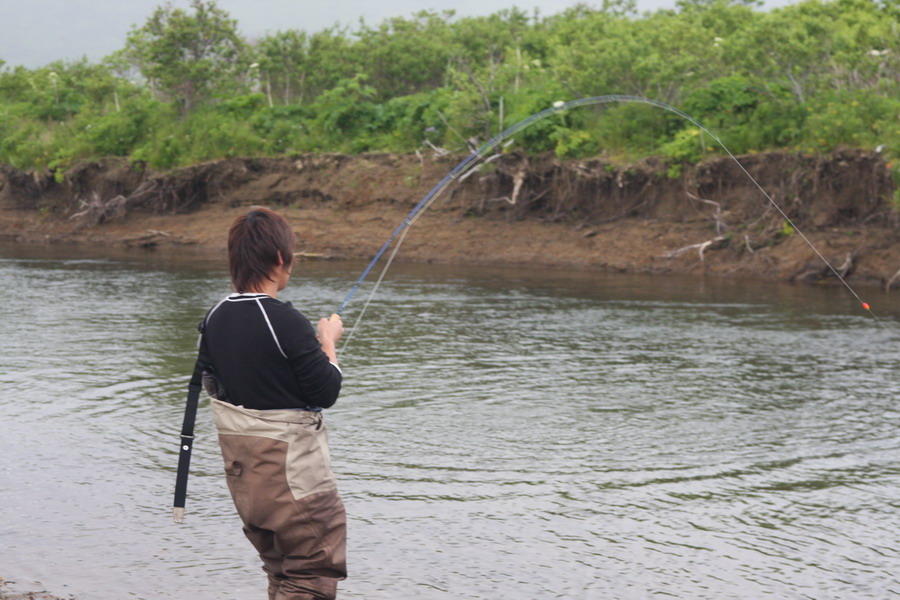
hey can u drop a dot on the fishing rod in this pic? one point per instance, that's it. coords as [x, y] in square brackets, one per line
[399, 234]
[475, 158]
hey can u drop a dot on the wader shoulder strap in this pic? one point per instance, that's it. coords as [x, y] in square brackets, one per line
[187, 441]
[187, 438]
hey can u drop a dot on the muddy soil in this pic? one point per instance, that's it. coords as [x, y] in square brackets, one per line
[512, 209]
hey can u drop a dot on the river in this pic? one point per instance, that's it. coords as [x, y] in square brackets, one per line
[502, 433]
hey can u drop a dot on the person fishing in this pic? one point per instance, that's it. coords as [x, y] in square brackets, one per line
[269, 375]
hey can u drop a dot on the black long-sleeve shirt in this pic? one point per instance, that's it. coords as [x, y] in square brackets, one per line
[265, 354]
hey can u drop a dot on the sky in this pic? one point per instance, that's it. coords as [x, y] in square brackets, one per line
[34, 33]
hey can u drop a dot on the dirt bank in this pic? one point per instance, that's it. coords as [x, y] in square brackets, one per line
[511, 210]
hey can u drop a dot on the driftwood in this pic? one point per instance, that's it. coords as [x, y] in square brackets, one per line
[717, 215]
[437, 150]
[488, 160]
[747, 244]
[518, 180]
[701, 247]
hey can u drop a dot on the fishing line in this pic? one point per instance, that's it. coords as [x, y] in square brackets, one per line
[473, 160]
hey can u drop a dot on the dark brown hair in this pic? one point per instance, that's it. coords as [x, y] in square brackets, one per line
[254, 242]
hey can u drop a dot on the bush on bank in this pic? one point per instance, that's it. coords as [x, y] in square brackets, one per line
[810, 77]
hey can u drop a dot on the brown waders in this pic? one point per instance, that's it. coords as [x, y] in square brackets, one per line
[279, 473]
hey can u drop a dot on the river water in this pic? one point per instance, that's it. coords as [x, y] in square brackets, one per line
[502, 433]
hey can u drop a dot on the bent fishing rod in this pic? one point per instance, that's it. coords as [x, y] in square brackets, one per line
[399, 234]
[475, 158]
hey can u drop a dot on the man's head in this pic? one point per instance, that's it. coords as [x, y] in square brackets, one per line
[258, 242]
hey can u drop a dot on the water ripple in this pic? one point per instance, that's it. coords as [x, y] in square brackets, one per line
[561, 435]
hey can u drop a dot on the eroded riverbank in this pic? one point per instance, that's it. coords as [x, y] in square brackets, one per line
[512, 211]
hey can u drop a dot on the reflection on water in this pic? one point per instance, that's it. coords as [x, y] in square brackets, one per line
[502, 434]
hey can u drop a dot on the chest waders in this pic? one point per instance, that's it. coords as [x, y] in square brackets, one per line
[278, 470]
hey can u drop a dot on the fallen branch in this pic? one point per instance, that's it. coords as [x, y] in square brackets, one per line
[468, 174]
[437, 150]
[720, 224]
[518, 180]
[701, 247]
